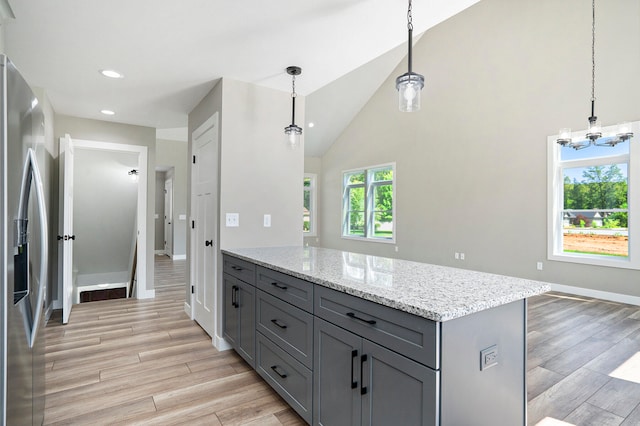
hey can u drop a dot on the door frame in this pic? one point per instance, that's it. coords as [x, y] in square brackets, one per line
[143, 290]
[168, 220]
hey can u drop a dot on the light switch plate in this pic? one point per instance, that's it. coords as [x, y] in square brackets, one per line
[267, 220]
[233, 220]
[182, 217]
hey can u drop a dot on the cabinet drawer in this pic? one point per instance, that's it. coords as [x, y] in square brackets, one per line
[291, 379]
[289, 327]
[415, 337]
[240, 269]
[290, 289]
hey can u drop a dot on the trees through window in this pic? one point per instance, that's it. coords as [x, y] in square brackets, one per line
[368, 203]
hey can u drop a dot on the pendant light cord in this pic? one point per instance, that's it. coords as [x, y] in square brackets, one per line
[293, 100]
[593, 57]
[410, 30]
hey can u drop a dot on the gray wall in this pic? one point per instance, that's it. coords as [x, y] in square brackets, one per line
[104, 131]
[258, 172]
[104, 206]
[175, 154]
[471, 165]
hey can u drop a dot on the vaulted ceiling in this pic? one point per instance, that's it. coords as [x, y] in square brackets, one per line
[172, 52]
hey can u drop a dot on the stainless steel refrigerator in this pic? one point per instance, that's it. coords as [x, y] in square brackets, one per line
[23, 232]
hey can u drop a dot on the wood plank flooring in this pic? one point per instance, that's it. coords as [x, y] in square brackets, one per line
[144, 362]
[583, 361]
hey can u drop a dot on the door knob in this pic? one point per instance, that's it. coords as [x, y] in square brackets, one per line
[208, 243]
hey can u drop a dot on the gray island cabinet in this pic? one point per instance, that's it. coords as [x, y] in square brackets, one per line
[350, 339]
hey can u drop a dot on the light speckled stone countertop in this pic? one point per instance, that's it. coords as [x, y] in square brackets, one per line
[438, 293]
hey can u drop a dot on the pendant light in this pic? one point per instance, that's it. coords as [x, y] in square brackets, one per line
[292, 131]
[409, 84]
[594, 132]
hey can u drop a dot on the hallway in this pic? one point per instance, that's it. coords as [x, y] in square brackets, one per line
[129, 361]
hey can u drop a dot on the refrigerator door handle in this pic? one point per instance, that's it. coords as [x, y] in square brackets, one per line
[32, 172]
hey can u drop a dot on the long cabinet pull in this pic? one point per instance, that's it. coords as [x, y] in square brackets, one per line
[278, 285]
[354, 316]
[354, 356]
[236, 268]
[275, 369]
[363, 389]
[234, 297]
[278, 323]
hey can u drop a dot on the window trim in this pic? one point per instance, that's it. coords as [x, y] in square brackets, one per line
[313, 212]
[368, 190]
[555, 201]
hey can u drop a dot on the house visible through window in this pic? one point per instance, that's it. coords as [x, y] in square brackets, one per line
[368, 203]
[309, 206]
[590, 215]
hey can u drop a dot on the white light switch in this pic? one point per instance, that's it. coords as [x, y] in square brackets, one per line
[267, 220]
[182, 217]
[233, 220]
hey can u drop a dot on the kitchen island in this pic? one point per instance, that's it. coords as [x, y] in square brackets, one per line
[348, 338]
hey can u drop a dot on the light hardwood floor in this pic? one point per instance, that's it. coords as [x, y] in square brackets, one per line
[145, 362]
[133, 361]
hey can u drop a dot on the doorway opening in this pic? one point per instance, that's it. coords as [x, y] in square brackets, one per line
[106, 220]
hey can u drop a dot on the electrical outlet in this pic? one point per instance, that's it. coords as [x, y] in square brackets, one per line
[267, 220]
[489, 357]
[232, 220]
[396, 249]
[539, 266]
[461, 256]
[457, 255]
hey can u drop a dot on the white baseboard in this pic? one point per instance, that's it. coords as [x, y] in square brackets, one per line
[221, 344]
[145, 294]
[605, 295]
[187, 310]
[179, 257]
[159, 252]
[56, 304]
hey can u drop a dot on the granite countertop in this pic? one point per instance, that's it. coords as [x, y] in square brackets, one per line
[438, 293]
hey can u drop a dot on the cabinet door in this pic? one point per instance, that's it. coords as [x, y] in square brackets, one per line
[231, 314]
[246, 302]
[397, 390]
[337, 355]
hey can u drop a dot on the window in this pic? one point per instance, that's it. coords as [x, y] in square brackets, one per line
[368, 203]
[309, 206]
[592, 218]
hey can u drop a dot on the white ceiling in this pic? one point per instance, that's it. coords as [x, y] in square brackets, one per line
[172, 52]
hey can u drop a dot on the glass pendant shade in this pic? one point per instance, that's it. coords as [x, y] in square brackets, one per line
[293, 134]
[409, 87]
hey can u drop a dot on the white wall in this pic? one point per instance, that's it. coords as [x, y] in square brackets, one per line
[471, 165]
[105, 207]
[314, 165]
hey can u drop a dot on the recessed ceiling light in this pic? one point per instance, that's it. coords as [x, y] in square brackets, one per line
[111, 74]
[310, 124]
[107, 112]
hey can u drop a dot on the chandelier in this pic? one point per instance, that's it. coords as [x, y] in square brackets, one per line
[594, 133]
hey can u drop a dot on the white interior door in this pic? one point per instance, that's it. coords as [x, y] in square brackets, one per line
[66, 236]
[168, 217]
[204, 232]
